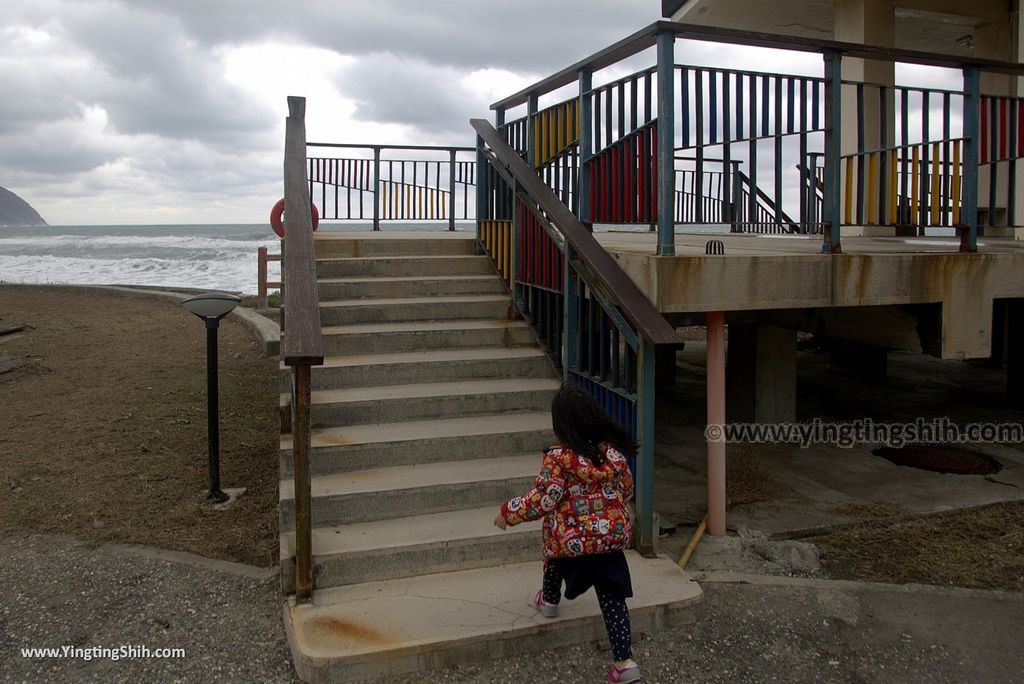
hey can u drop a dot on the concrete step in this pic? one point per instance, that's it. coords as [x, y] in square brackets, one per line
[391, 403]
[384, 493]
[438, 308]
[338, 244]
[410, 546]
[384, 629]
[361, 447]
[442, 365]
[424, 336]
[402, 266]
[408, 286]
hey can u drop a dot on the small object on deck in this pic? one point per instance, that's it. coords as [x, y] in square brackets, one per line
[277, 217]
[692, 546]
[714, 247]
[9, 328]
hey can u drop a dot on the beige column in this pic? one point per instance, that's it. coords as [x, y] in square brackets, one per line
[869, 22]
[1000, 40]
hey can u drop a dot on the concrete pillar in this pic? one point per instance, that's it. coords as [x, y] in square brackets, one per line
[761, 374]
[665, 366]
[869, 22]
[1015, 351]
[716, 417]
[866, 359]
[996, 40]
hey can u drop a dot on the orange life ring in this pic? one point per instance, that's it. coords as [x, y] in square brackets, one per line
[277, 217]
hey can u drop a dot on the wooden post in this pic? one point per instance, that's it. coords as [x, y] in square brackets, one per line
[302, 452]
[831, 203]
[648, 536]
[968, 228]
[583, 209]
[666, 144]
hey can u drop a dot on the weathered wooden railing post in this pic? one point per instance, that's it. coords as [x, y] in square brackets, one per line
[832, 232]
[302, 346]
[570, 314]
[531, 131]
[482, 188]
[515, 236]
[969, 211]
[583, 208]
[666, 143]
[648, 536]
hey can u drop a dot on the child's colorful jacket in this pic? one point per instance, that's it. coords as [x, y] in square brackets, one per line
[583, 505]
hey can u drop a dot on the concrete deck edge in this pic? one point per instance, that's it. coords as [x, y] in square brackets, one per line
[730, 577]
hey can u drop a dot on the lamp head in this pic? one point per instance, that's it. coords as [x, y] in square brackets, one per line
[211, 305]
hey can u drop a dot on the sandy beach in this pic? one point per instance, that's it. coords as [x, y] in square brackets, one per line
[103, 434]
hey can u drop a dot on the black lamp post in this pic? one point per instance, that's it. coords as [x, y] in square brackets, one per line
[211, 307]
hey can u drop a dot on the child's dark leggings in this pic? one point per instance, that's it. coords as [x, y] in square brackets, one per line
[613, 610]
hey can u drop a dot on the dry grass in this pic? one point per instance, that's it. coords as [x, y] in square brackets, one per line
[982, 548]
[746, 480]
[103, 436]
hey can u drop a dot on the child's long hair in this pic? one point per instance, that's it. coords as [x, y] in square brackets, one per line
[582, 425]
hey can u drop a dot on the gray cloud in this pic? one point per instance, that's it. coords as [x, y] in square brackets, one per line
[529, 35]
[386, 88]
[115, 98]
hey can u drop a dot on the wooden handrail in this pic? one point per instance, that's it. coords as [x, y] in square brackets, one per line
[631, 302]
[646, 37]
[303, 342]
[302, 346]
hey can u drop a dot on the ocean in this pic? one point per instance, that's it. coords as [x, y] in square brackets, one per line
[220, 257]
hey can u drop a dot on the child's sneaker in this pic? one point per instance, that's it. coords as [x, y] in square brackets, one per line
[628, 673]
[548, 610]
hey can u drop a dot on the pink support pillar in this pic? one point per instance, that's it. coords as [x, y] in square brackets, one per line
[716, 421]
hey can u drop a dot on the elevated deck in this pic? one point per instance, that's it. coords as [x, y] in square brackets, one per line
[781, 273]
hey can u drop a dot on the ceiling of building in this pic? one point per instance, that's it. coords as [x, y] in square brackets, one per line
[916, 29]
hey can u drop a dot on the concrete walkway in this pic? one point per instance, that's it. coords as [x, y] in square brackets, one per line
[56, 591]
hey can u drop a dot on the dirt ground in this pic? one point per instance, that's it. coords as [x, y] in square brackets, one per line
[884, 536]
[981, 548]
[103, 434]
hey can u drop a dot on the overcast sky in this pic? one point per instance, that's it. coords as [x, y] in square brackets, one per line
[172, 111]
[168, 111]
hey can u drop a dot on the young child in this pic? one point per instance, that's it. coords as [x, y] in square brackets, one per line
[581, 492]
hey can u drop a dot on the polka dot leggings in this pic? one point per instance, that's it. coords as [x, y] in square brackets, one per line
[613, 610]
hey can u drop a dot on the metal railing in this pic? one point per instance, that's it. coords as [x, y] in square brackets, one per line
[302, 342]
[365, 183]
[762, 118]
[596, 326]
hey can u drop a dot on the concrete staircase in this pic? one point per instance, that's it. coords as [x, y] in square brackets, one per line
[430, 409]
